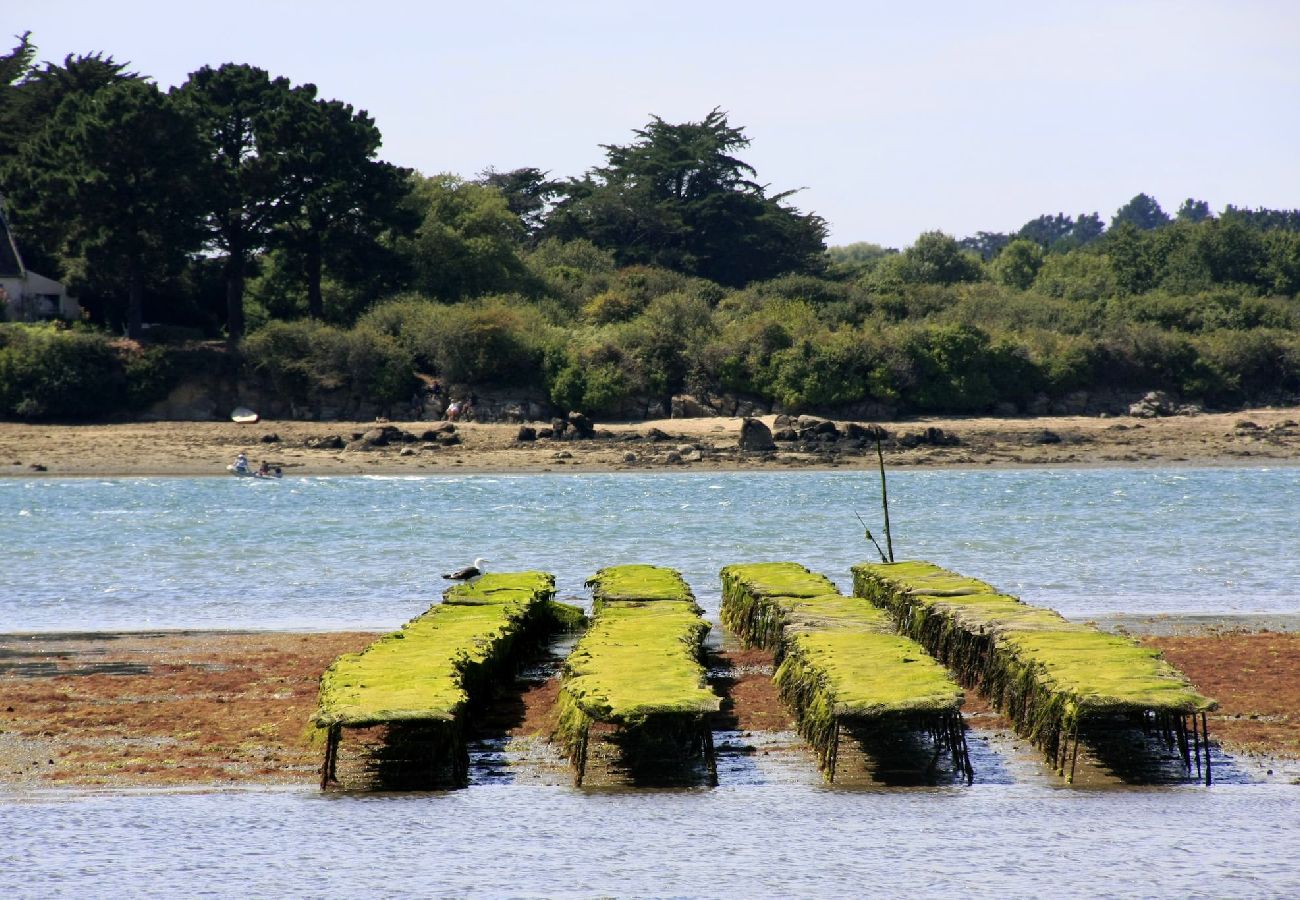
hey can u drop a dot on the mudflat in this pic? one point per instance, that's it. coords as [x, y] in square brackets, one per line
[1249, 437]
[220, 709]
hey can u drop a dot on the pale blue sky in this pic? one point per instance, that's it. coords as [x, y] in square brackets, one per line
[895, 117]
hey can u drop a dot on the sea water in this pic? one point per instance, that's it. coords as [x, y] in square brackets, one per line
[368, 552]
[319, 553]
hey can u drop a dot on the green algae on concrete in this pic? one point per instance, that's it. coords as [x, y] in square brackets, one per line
[839, 659]
[436, 665]
[638, 666]
[1049, 675]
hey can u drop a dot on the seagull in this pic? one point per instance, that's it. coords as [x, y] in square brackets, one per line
[469, 573]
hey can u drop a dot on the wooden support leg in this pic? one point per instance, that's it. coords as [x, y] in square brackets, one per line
[1196, 741]
[1205, 730]
[581, 760]
[1074, 757]
[833, 755]
[327, 769]
[710, 756]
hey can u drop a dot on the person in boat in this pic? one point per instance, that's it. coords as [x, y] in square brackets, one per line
[241, 463]
[264, 470]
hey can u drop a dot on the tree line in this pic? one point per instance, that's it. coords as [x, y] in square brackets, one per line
[239, 204]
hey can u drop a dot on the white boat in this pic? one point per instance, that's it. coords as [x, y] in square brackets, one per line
[250, 473]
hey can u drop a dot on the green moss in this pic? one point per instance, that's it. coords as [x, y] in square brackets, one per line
[638, 666]
[638, 583]
[428, 670]
[1047, 674]
[839, 657]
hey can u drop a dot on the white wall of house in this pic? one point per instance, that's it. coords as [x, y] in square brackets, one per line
[31, 297]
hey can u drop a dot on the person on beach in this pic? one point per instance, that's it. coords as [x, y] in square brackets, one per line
[453, 411]
[241, 462]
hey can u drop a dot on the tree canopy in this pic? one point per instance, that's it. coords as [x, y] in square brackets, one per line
[679, 197]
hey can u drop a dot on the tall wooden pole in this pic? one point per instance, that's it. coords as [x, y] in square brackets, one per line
[884, 498]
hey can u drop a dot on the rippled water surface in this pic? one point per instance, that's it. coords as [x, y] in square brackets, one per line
[755, 841]
[345, 552]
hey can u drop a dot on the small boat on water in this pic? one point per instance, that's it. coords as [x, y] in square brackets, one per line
[250, 473]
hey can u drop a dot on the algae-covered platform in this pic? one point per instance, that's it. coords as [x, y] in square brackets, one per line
[429, 673]
[1051, 677]
[638, 670]
[840, 661]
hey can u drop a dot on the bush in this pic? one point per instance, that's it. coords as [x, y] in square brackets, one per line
[48, 373]
[494, 341]
[952, 365]
[301, 360]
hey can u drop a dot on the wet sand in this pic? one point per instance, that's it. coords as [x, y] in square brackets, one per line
[215, 710]
[1251, 437]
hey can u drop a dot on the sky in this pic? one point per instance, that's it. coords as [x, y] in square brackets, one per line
[892, 118]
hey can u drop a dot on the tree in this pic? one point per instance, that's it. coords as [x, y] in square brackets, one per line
[1018, 264]
[467, 242]
[1047, 230]
[1193, 211]
[936, 258]
[985, 244]
[26, 108]
[246, 119]
[118, 169]
[528, 193]
[679, 198]
[337, 195]
[1142, 212]
[33, 100]
[1087, 228]
[14, 68]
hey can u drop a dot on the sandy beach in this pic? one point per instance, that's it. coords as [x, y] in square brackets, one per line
[1250, 437]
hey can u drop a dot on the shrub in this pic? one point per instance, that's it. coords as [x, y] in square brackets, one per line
[300, 360]
[48, 373]
[952, 365]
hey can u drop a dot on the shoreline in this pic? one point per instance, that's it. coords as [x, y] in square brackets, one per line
[1249, 438]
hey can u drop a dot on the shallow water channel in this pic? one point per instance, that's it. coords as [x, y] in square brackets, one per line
[325, 553]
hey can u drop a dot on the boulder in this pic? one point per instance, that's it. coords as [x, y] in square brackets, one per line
[448, 439]
[782, 421]
[270, 438]
[582, 425]
[685, 406]
[526, 433]
[629, 457]
[1152, 405]
[654, 434]
[672, 456]
[693, 456]
[785, 434]
[328, 442]
[754, 435]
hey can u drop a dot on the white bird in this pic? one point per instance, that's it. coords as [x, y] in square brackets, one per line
[469, 573]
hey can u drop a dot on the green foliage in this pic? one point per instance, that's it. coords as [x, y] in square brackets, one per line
[48, 373]
[1018, 264]
[953, 365]
[466, 244]
[1077, 276]
[679, 198]
[1142, 212]
[935, 258]
[302, 360]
